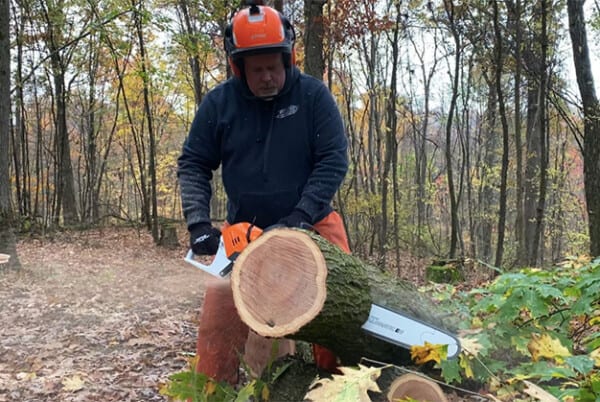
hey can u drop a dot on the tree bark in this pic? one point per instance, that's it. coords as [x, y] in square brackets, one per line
[7, 218]
[591, 115]
[314, 63]
[64, 179]
[450, 156]
[499, 57]
[291, 283]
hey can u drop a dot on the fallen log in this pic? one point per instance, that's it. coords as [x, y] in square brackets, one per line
[294, 284]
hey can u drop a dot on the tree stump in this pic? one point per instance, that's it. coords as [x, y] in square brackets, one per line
[4, 260]
[415, 387]
[292, 283]
[445, 271]
[168, 236]
[8, 246]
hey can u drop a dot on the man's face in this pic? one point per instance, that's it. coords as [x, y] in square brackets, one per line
[265, 74]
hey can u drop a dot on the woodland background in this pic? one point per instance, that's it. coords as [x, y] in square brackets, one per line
[473, 125]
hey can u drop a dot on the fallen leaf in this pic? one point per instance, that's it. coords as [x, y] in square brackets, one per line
[595, 355]
[465, 364]
[424, 353]
[72, 384]
[24, 376]
[471, 346]
[351, 386]
[545, 346]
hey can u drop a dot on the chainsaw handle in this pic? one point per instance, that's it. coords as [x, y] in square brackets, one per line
[220, 266]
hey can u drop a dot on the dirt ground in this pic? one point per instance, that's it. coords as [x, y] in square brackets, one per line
[100, 315]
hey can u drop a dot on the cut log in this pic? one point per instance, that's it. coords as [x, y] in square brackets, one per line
[415, 387]
[292, 283]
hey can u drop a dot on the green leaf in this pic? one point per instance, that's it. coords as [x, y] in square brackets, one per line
[543, 370]
[246, 392]
[582, 363]
[536, 304]
[451, 371]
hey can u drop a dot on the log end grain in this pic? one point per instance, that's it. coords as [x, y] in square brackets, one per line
[416, 387]
[279, 282]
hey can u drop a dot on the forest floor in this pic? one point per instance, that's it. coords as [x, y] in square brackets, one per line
[100, 315]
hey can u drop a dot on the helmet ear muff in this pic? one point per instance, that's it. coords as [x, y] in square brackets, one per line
[229, 47]
[236, 66]
[291, 34]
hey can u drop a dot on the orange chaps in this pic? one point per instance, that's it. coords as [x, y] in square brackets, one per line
[222, 334]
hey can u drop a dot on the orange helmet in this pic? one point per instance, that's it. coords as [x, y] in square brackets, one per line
[255, 30]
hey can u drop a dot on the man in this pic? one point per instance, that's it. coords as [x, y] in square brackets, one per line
[279, 138]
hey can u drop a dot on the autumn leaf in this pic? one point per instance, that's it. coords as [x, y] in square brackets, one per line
[26, 376]
[429, 352]
[265, 393]
[471, 345]
[595, 355]
[465, 364]
[72, 384]
[545, 346]
[351, 386]
[210, 387]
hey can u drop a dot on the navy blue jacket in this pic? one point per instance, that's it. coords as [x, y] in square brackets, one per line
[278, 155]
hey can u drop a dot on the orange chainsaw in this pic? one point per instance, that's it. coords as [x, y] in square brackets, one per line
[234, 239]
[384, 323]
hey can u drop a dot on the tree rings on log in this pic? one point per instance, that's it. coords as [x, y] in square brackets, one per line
[417, 388]
[279, 282]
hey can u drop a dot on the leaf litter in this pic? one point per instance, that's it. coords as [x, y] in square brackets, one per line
[97, 315]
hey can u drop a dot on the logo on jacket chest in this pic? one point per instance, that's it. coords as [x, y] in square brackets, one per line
[286, 111]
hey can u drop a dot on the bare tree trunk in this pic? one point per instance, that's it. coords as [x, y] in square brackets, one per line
[519, 238]
[544, 141]
[486, 193]
[532, 165]
[591, 117]
[502, 110]
[89, 199]
[192, 49]
[148, 113]
[7, 237]
[64, 179]
[391, 152]
[20, 141]
[454, 226]
[535, 175]
[314, 63]
[557, 221]
[420, 137]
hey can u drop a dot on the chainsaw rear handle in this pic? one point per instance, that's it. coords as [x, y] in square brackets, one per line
[220, 266]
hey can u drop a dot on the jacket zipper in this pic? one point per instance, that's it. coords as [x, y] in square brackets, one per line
[268, 141]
